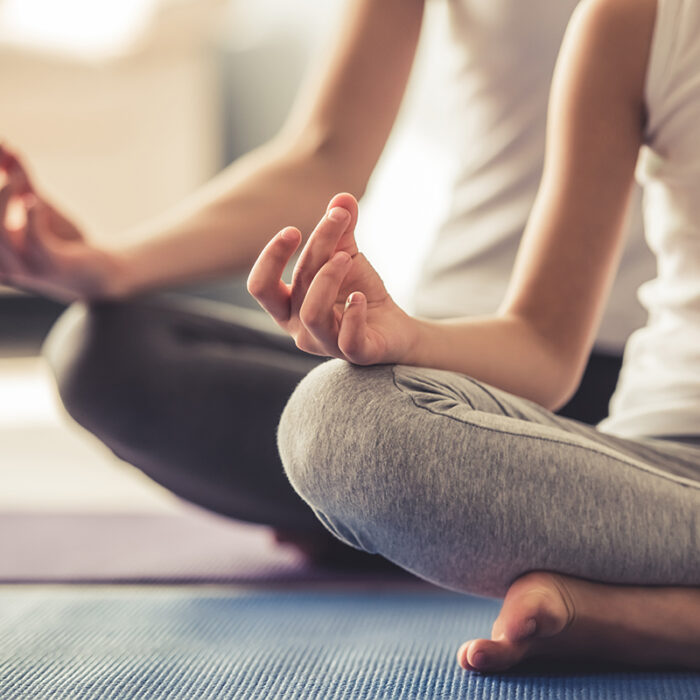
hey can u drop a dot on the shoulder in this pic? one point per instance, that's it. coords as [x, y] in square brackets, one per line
[614, 37]
[623, 17]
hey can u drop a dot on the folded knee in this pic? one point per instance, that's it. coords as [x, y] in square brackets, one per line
[337, 439]
[90, 351]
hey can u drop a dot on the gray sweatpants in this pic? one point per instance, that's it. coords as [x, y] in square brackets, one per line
[470, 487]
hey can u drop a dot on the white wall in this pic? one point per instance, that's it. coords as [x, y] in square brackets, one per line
[117, 138]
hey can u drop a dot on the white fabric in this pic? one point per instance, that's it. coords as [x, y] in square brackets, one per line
[659, 389]
[490, 120]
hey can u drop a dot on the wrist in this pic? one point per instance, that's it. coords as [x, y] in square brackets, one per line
[116, 279]
[417, 341]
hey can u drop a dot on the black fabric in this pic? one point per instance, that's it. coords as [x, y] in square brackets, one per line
[190, 392]
[590, 402]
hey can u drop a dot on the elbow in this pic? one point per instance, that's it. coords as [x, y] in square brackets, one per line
[558, 398]
[342, 169]
[566, 379]
[338, 162]
[552, 363]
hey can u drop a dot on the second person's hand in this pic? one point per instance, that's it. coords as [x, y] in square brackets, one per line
[337, 304]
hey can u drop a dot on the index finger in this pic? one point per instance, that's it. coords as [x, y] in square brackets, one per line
[15, 171]
[265, 278]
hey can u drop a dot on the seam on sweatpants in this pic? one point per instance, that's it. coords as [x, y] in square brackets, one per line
[635, 463]
[487, 392]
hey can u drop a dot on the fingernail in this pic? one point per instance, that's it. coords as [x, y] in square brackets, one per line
[289, 234]
[342, 259]
[339, 215]
[354, 298]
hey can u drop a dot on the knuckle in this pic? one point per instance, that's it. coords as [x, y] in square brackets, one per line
[303, 280]
[351, 350]
[302, 342]
[254, 286]
[309, 316]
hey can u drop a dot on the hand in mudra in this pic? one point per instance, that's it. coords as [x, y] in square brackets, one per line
[337, 304]
[41, 250]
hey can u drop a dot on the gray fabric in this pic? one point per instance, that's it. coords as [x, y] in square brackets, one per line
[470, 487]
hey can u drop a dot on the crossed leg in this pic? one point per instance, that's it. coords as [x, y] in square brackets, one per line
[591, 539]
[143, 375]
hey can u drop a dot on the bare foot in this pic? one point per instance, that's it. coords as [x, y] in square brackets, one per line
[550, 615]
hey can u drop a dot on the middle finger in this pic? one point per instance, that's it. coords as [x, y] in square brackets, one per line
[317, 313]
[318, 250]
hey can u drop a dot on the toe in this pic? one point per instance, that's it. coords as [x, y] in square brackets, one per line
[489, 656]
[533, 607]
[462, 656]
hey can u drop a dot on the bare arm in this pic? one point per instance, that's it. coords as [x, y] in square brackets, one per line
[538, 343]
[331, 142]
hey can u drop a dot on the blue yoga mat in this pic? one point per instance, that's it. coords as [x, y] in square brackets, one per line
[170, 643]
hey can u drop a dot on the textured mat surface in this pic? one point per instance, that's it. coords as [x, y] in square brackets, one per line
[170, 643]
[192, 547]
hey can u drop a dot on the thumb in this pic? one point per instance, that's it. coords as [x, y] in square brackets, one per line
[16, 172]
[352, 336]
[37, 240]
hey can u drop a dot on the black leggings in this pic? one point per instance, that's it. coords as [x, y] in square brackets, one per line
[191, 391]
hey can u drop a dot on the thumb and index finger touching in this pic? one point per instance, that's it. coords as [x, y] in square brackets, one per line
[264, 280]
[15, 173]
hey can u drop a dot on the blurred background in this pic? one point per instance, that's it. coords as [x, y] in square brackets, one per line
[123, 107]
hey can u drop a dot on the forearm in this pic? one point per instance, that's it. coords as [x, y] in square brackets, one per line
[502, 350]
[221, 228]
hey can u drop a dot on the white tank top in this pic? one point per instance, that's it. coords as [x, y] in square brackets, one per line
[659, 389]
[489, 117]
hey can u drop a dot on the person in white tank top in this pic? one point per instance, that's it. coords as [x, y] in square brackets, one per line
[479, 109]
[526, 358]
[489, 90]
[627, 80]
[491, 67]
[659, 391]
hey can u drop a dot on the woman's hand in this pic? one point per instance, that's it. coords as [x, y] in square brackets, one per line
[337, 304]
[41, 250]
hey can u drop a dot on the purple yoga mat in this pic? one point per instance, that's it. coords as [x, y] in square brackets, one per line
[190, 547]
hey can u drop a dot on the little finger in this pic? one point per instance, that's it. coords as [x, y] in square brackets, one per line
[265, 279]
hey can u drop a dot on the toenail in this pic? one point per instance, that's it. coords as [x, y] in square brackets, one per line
[530, 627]
[479, 659]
